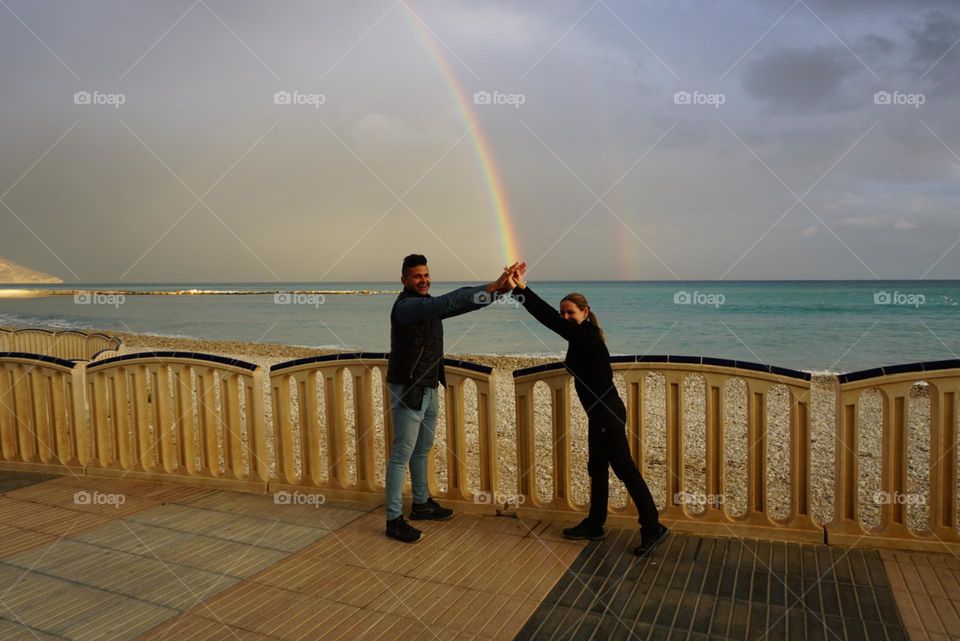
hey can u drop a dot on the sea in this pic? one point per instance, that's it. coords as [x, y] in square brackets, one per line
[817, 326]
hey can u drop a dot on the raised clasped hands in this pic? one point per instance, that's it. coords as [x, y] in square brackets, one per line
[515, 274]
[503, 285]
[511, 278]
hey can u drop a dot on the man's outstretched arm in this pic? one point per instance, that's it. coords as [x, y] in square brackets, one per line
[459, 301]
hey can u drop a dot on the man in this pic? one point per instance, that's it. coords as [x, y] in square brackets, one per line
[414, 372]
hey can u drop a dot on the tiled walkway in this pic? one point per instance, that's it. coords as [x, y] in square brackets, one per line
[702, 588]
[927, 592]
[85, 558]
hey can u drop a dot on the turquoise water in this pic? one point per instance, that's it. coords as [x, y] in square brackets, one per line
[809, 325]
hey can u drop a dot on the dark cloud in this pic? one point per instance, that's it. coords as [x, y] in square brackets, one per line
[936, 54]
[876, 45]
[847, 7]
[933, 35]
[801, 80]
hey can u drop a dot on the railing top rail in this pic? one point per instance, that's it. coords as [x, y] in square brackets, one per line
[679, 360]
[325, 358]
[369, 356]
[53, 360]
[42, 330]
[906, 368]
[77, 332]
[468, 365]
[101, 335]
[210, 358]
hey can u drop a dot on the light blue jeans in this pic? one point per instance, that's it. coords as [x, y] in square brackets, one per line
[413, 432]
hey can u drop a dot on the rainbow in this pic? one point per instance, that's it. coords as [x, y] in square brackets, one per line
[495, 190]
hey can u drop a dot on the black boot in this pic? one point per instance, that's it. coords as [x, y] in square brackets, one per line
[429, 510]
[651, 537]
[403, 531]
[586, 529]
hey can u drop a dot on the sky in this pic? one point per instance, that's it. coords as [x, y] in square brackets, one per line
[145, 141]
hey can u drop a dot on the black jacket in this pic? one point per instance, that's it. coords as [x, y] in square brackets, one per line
[416, 333]
[588, 359]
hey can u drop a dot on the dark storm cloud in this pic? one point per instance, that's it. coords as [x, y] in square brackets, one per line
[936, 54]
[874, 7]
[801, 80]
[876, 45]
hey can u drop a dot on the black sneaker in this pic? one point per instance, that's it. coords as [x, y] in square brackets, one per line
[429, 510]
[403, 531]
[585, 530]
[651, 538]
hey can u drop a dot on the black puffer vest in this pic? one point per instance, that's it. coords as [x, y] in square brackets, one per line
[416, 350]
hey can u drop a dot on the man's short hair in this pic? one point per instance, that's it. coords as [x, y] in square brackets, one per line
[413, 260]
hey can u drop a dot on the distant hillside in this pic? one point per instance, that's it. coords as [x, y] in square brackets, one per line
[14, 274]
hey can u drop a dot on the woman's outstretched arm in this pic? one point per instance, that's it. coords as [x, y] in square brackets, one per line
[544, 312]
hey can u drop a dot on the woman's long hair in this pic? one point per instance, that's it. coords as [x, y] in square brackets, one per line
[580, 301]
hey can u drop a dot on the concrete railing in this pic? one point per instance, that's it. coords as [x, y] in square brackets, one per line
[317, 449]
[939, 498]
[716, 373]
[41, 417]
[324, 423]
[159, 414]
[70, 345]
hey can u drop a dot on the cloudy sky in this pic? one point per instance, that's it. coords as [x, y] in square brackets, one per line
[655, 140]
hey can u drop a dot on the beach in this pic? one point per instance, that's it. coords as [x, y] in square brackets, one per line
[735, 446]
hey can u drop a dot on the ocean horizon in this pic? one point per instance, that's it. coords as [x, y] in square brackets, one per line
[812, 325]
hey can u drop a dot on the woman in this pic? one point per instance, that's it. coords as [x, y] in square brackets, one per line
[588, 360]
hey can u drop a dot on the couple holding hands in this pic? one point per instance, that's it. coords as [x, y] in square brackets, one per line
[415, 371]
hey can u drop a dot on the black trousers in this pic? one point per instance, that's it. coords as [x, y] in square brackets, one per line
[607, 446]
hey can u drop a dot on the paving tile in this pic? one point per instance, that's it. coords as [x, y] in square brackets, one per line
[15, 540]
[930, 581]
[928, 613]
[105, 496]
[328, 516]
[273, 534]
[66, 609]
[181, 548]
[10, 481]
[947, 611]
[139, 577]
[949, 581]
[272, 611]
[13, 630]
[47, 519]
[195, 628]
